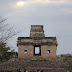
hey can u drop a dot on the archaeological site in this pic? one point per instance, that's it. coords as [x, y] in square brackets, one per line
[37, 53]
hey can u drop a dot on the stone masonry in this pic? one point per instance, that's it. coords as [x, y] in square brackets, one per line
[37, 45]
[33, 65]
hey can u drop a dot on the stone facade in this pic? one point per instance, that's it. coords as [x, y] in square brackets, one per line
[37, 45]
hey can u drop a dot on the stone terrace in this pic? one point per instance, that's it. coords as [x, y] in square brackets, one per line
[55, 65]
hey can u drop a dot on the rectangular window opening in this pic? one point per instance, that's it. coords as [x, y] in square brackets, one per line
[37, 50]
[48, 51]
[25, 51]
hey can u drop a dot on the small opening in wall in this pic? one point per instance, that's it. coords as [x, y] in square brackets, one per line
[48, 51]
[25, 51]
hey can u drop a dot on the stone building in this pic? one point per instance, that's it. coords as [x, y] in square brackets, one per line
[36, 53]
[37, 45]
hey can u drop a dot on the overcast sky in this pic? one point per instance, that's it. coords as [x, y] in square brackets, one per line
[54, 15]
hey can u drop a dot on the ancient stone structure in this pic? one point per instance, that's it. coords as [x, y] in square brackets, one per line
[37, 53]
[37, 45]
[33, 65]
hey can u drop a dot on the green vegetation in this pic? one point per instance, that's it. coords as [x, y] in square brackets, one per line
[6, 32]
[3, 51]
[4, 54]
[66, 55]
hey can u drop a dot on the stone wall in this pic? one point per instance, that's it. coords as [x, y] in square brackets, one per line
[27, 55]
[30, 52]
[47, 65]
[37, 31]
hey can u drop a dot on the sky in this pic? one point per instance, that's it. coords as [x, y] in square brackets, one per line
[54, 15]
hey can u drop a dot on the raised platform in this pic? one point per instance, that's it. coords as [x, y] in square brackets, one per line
[45, 65]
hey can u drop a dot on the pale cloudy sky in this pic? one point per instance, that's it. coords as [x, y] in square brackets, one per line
[55, 15]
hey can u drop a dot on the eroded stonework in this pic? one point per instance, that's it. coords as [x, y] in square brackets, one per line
[37, 45]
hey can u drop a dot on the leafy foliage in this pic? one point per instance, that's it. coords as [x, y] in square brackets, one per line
[3, 51]
[66, 55]
[4, 54]
[6, 32]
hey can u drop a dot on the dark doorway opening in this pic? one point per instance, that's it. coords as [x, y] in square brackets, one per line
[37, 50]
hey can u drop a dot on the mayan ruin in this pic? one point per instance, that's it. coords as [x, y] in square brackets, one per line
[37, 45]
[35, 35]
[36, 53]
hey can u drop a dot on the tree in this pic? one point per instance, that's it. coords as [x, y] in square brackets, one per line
[6, 32]
[3, 51]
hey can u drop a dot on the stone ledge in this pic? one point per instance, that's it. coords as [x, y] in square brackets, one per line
[19, 38]
[42, 43]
